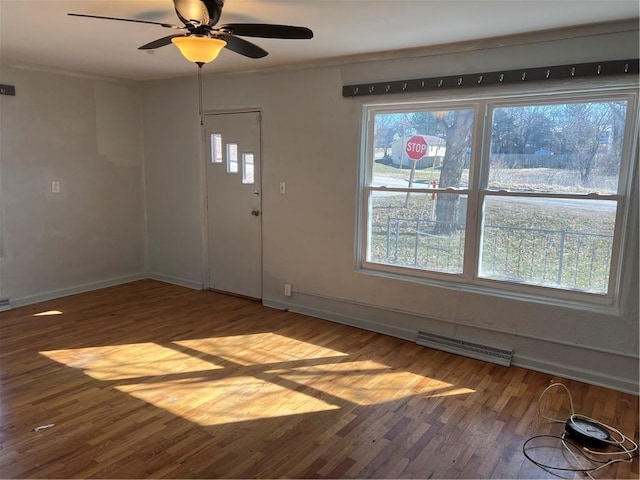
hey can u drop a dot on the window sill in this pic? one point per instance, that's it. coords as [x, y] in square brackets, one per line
[604, 309]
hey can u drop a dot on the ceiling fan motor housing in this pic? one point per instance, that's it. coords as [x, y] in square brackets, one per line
[202, 12]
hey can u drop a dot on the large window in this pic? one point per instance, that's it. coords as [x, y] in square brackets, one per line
[523, 195]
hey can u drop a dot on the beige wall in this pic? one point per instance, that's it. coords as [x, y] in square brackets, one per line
[85, 134]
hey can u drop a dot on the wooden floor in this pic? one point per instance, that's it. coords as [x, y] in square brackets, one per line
[149, 380]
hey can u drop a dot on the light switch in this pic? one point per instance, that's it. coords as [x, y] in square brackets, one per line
[283, 187]
[55, 186]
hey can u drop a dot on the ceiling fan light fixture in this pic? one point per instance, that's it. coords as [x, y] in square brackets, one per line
[199, 49]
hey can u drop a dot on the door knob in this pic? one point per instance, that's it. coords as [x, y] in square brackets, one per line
[255, 213]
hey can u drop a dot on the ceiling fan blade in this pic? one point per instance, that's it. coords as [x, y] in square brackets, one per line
[161, 42]
[166, 25]
[240, 45]
[265, 30]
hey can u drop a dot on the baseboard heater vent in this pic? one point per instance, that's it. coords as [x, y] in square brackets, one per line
[467, 349]
[4, 305]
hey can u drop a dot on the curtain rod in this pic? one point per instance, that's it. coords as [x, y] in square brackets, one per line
[557, 72]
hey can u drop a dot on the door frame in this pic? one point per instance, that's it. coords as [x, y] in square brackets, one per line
[204, 204]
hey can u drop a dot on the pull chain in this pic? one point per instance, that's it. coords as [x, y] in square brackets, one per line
[200, 94]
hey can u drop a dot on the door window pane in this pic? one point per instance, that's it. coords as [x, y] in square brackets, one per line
[216, 148]
[232, 158]
[247, 168]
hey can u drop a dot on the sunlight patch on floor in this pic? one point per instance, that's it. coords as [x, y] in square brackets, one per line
[259, 349]
[368, 382]
[218, 380]
[228, 400]
[47, 313]
[137, 360]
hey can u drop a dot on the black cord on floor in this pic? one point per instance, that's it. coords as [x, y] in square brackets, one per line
[561, 438]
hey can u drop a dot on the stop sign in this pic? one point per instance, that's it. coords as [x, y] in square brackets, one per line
[416, 147]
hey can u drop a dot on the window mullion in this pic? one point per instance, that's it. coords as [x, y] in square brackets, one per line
[473, 225]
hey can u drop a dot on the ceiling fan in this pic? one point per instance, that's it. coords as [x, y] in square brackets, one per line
[200, 40]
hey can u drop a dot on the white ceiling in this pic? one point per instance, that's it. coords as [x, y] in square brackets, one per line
[39, 32]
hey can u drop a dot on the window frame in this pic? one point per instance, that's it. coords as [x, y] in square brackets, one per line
[477, 190]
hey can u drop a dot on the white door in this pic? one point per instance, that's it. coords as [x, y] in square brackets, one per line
[234, 203]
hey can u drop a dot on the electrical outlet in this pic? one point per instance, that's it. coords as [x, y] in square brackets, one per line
[7, 90]
[287, 289]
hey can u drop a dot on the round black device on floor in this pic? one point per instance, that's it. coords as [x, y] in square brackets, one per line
[587, 432]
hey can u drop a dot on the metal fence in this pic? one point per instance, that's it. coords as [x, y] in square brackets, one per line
[538, 256]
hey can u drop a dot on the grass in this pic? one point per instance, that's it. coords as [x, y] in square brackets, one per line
[421, 175]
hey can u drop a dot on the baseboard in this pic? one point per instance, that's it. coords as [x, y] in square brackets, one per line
[594, 378]
[87, 287]
[627, 385]
[175, 281]
[391, 330]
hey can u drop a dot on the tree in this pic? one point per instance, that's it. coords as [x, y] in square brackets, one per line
[503, 137]
[523, 130]
[586, 123]
[427, 123]
[386, 129]
[457, 126]
[610, 161]
[537, 128]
